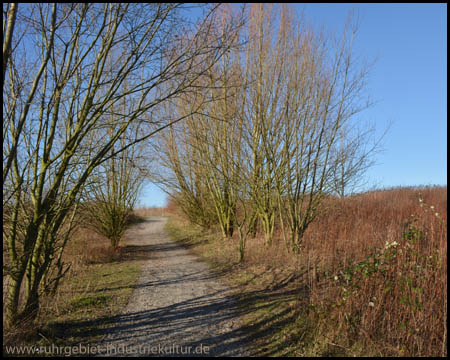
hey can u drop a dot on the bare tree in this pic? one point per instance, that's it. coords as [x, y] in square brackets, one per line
[180, 173]
[265, 90]
[325, 89]
[115, 185]
[58, 94]
[199, 154]
[8, 29]
[218, 134]
[110, 196]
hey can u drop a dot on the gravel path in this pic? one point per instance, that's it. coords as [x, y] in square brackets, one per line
[178, 307]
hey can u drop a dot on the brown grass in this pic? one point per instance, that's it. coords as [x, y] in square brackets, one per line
[151, 211]
[386, 252]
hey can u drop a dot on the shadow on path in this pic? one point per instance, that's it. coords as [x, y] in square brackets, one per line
[202, 312]
[210, 320]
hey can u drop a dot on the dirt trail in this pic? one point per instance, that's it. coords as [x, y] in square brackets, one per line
[178, 307]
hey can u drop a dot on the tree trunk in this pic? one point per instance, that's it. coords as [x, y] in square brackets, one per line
[12, 299]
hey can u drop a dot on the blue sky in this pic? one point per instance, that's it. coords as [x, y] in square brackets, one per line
[408, 83]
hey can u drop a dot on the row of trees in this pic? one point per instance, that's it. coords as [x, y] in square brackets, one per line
[267, 126]
[277, 131]
[83, 84]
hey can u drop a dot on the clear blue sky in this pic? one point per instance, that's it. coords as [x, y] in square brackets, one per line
[408, 82]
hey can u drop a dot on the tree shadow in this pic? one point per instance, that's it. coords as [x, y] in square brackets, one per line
[131, 252]
[203, 320]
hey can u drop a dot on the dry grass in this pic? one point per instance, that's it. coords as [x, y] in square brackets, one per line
[151, 211]
[371, 278]
[387, 256]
